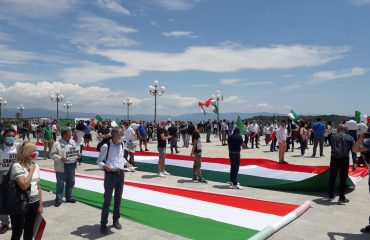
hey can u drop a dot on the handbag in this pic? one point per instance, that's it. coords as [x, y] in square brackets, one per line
[13, 200]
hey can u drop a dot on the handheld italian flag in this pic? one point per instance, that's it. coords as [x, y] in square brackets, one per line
[97, 119]
[292, 115]
[359, 117]
[188, 213]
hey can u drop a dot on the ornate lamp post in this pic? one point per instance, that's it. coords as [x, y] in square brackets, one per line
[3, 103]
[67, 106]
[58, 97]
[20, 110]
[156, 91]
[127, 103]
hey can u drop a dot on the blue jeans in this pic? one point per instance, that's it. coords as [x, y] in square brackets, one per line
[303, 146]
[185, 139]
[67, 180]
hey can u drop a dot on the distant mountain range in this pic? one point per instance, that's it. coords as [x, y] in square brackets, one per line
[47, 113]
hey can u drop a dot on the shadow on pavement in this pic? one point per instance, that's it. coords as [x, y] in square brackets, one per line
[348, 236]
[185, 181]
[90, 232]
[221, 186]
[149, 176]
[325, 202]
[49, 203]
[91, 169]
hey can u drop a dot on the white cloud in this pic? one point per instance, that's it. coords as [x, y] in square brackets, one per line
[291, 87]
[332, 75]
[264, 106]
[12, 56]
[360, 2]
[89, 72]
[230, 81]
[5, 36]
[17, 76]
[233, 100]
[93, 31]
[175, 4]
[180, 34]
[225, 59]
[36, 9]
[234, 81]
[154, 23]
[113, 6]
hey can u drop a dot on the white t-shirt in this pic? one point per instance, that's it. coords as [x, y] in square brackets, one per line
[129, 134]
[281, 134]
[54, 128]
[19, 171]
[7, 157]
[254, 128]
[362, 128]
[352, 125]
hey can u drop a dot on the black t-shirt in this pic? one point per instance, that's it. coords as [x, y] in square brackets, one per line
[161, 143]
[104, 131]
[184, 131]
[191, 130]
[172, 131]
[196, 136]
[235, 141]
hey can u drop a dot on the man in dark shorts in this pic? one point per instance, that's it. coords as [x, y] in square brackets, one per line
[197, 153]
[235, 142]
[363, 145]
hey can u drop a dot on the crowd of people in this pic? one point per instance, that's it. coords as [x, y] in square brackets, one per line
[119, 142]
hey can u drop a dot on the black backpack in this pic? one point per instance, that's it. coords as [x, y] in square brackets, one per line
[338, 149]
[108, 144]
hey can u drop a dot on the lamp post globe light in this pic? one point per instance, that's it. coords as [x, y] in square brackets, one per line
[20, 110]
[67, 106]
[155, 90]
[127, 102]
[58, 97]
[218, 98]
[3, 103]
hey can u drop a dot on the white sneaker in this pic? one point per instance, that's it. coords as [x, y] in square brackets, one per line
[166, 173]
[161, 175]
[237, 186]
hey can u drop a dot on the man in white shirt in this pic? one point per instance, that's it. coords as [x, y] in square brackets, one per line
[352, 131]
[130, 146]
[254, 133]
[281, 136]
[54, 129]
[111, 160]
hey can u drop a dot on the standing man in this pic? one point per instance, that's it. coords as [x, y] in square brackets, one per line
[184, 134]
[173, 132]
[196, 151]
[48, 139]
[142, 135]
[235, 142]
[8, 155]
[341, 145]
[208, 131]
[65, 154]
[112, 162]
[318, 137]
[54, 129]
[162, 144]
[281, 137]
[130, 146]
[363, 145]
[254, 132]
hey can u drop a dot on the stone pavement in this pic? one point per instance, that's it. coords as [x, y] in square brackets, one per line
[324, 221]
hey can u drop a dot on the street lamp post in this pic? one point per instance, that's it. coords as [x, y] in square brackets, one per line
[58, 97]
[20, 110]
[153, 90]
[127, 103]
[67, 106]
[3, 103]
[218, 97]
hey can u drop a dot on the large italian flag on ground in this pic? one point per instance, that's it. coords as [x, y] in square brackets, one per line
[188, 213]
[260, 173]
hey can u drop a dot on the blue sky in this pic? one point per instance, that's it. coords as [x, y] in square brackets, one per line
[311, 56]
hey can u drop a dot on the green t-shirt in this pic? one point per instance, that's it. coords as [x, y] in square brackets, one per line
[47, 134]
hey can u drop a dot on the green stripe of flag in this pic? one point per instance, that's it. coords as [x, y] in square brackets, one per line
[181, 224]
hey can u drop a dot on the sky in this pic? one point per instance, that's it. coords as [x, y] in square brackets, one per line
[264, 56]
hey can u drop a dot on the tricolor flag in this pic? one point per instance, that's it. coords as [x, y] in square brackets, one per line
[359, 117]
[240, 125]
[292, 115]
[259, 173]
[187, 213]
[97, 119]
[215, 108]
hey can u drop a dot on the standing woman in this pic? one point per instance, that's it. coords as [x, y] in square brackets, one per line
[26, 173]
[281, 136]
[304, 133]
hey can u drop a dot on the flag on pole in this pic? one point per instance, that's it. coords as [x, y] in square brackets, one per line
[292, 115]
[359, 117]
[118, 122]
[240, 125]
[202, 110]
[97, 119]
[215, 108]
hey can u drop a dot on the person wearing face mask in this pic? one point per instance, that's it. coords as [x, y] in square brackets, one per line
[65, 154]
[8, 154]
[27, 175]
[281, 136]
